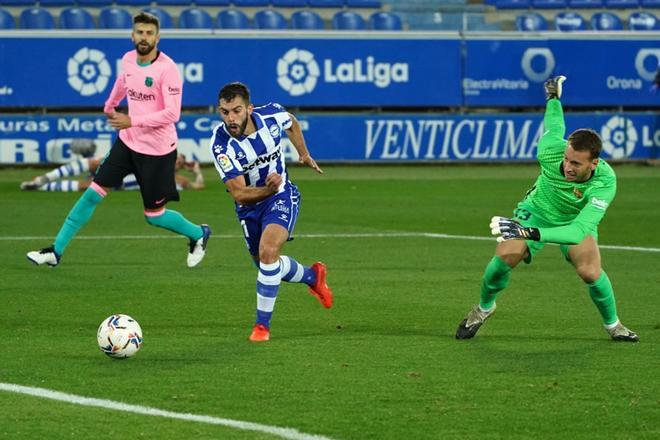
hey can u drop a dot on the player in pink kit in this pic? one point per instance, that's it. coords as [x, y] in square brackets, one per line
[145, 146]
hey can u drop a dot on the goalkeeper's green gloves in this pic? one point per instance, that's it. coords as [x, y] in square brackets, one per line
[508, 229]
[553, 87]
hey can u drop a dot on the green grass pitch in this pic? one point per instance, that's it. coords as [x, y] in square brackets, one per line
[381, 364]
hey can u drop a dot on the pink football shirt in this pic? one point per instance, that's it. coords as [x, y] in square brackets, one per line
[154, 103]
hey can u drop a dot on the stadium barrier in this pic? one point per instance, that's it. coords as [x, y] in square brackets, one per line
[346, 70]
[355, 138]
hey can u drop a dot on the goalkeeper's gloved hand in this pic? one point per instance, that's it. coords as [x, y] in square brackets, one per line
[508, 229]
[553, 87]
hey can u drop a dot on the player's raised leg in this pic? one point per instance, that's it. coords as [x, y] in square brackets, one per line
[585, 257]
[496, 277]
[314, 276]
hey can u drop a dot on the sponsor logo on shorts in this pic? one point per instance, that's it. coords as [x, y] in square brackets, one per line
[280, 206]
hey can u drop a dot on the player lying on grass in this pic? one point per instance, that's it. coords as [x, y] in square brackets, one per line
[54, 180]
[565, 206]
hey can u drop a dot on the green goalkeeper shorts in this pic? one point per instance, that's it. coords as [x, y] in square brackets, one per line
[525, 215]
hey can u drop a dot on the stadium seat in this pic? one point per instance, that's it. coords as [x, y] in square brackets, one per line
[326, 3]
[606, 21]
[250, 3]
[36, 18]
[211, 3]
[94, 3]
[6, 20]
[163, 16]
[26, 3]
[585, 4]
[54, 3]
[650, 4]
[348, 21]
[549, 4]
[195, 18]
[372, 4]
[290, 3]
[642, 21]
[513, 4]
[139, 3]
[622, 4]
[269, 19]
[385, 21]
[163, 3]
[115, 18]
[531, 22]
[232, 19]
[569, 21]
[307, 20]
[76, 18]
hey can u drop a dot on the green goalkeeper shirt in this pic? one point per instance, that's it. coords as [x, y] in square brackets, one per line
[576, 208]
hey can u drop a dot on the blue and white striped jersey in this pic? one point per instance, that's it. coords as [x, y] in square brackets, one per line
[257, 155]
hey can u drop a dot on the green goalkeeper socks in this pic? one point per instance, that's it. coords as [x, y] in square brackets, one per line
[602, 295]
[496, 277]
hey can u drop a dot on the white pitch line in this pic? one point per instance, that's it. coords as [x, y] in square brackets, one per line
[339, 235]
[287, 433]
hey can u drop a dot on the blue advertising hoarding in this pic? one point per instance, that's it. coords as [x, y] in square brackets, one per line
[355, 138]
[80, 72]
[601, 72]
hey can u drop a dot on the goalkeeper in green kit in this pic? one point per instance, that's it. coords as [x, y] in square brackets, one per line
[565, 206]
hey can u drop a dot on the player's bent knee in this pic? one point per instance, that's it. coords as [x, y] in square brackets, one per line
[589, 274]
[269, 254]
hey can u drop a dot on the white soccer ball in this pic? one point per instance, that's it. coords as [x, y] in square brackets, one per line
[119, 336]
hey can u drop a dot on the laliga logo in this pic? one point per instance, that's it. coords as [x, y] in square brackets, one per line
[619, 137]
[528, 57]
[297, 72]
[640, 62]
[88, 71]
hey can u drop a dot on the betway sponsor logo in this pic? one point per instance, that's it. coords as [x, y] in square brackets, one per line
[473, 139]
[139, 96]
[365, 71]
[264, 159]
[475, 86]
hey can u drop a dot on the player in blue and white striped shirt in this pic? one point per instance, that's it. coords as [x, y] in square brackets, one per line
[248, 155]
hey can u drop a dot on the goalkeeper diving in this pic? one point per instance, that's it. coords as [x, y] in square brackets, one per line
[564, 206]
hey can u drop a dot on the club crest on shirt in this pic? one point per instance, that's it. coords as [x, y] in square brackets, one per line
[148, 81]
[577, 192]
[224, 162]
[274, 131]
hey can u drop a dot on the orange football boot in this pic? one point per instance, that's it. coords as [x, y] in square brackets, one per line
[260, 333]
[320, 289]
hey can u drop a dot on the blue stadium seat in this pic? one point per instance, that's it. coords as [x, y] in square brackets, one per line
[26, 3]
[531, 22]
[307, 20]
[622, 4]
[94, 3]
[372, 4]
[232, 19]
[513, 4]
[549, 4]
[606, 21]
[585, 4]
[326, 3]
[569, 21]
[195, 18]
[143, 3]
[650, 4]
[642, 21]
[250, 3]
[36, 18]
[53, 3]
[76, 18]
[290, 3]
[385, 21]
[115, 18]
[163, 3]
[269, 19]
[348, 21]
[212, 2]
[6, 20]
[163, 16]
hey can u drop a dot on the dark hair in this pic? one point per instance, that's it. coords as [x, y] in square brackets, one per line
[147, 18]
[586, 139]
[234, 89]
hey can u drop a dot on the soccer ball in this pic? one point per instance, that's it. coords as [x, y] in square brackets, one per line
[119, 336]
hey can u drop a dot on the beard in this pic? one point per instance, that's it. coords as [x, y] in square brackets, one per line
[240, 128]
[143, 48]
